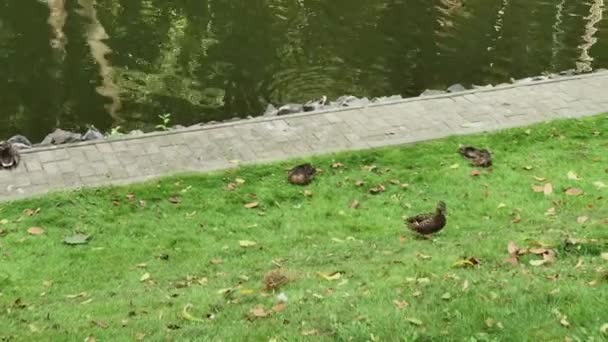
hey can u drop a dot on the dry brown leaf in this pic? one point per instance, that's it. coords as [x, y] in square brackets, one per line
[605, 256]
[538, 188]
[550, 212]
[175, 199]
[252, 205]
[359, 183]
[512, 248]
[31, 212]
[354, 204]
[216, 261]
[337, 165]
[231, 186]
[516, 218]
[377, 189]
[400, 304]
[475, 173]
[35, 231]
[574, 192]
[548, 189]
[549, 256]
[582, 219]
[279, 307]
[259, 312]
[512, 260]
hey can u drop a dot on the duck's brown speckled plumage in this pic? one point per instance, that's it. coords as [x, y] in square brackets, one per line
[429, 223]
[478, 157]
[301, 174]
[9, 155]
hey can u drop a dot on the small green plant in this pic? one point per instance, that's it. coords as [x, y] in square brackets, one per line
[165, 118]
[115, 131]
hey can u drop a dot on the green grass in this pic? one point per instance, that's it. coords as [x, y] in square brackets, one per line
[378, 260]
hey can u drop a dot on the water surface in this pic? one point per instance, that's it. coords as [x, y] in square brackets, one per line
[124, 62]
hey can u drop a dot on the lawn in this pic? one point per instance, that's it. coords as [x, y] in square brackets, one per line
[185, 258]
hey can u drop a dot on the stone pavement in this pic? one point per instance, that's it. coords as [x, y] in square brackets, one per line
[135, 159]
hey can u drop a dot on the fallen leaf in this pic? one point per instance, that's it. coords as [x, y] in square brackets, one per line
[188, 316]
[537, 263]
[77, 295]
[605, 256]
[423, 256]
[90, 339]
[307, 193]
[35, 231]
[377, 189]
[337, 165]
[395, 182]
[252, 205]
[600, 185]
[528, 167]
[550, 212]
[175, 199]
[582, 219]
[101, 324]
[259, 312]
[354, 204]
[549, 256]
[31, 212]
[465, 285]
[77, 239]
[359, 183]
[467, 262]
[475, 173]
[538, 188]
[231, 186]
[501, 205]
[414, 321]
[239, 181]
[247, 243]
[446, 296]
[216, 261]
[310, 332]
[564, 321]
[516, 218]
[401, 304]
[330, 276]
[145, 277]
[279, 307]
[454, 166]
[512, 248]
[604, 329]
[540, 179]
[512, 260]
[574, 192]
[369, 168]
[573, 176]
[548, 189]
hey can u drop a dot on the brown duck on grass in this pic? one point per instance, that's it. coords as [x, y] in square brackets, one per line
[9, 155]
[478, 157]
[301, 174]
[430, 223]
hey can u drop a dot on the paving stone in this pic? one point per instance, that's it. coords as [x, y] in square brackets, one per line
[205, 149]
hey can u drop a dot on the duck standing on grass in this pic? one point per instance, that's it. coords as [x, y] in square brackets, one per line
[429, 223]
[301, 174]
[478, 157]
[9, 155]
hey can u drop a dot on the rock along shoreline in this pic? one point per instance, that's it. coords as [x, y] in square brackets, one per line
[61, 137]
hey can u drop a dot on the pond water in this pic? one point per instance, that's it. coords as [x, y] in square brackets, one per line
[125, 62]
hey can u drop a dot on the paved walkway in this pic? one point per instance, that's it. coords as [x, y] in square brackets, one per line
[216, 147]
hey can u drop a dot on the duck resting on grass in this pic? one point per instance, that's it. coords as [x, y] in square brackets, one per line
[478, 157]
[301, 174]
[9, 155]
[429, 223]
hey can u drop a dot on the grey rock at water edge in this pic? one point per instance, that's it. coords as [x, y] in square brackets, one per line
[60, 136]
[136, 132]
[314, 105]
[456, 88]
[177, 127]
[271, 111]
[384, 99]
[432, 92]
[487, 86]
[351, 101]
[92, 134]
[20, 142]
[290, 108]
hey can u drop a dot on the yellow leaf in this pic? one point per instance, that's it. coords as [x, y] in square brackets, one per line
[604, 329]
[187, 316]
[239, 181]
[247, 243]
[454, 166]
[574, 192]
[446, 296]
[145, 277]
[252, 205]
[330, 276]
[582, 219]
[600, 185]
[35, 231]
[537, 263]
[605, 256]
[573, 176]
[548, 189]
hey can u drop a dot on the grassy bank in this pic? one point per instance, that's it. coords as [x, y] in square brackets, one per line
[185, 258]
